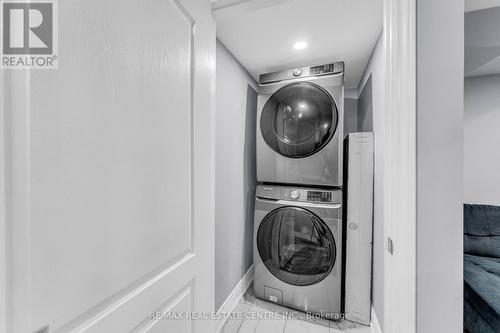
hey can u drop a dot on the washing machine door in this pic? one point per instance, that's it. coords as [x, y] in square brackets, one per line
[296, 246]
[299, 120]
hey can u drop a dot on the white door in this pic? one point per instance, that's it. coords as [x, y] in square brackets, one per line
[108, 169]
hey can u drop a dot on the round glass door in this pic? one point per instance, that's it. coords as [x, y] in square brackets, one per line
[296, 246]
[299, 120]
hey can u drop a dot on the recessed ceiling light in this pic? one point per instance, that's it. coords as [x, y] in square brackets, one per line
[300, 45]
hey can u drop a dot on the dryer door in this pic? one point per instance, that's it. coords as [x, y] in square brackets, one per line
[299, 120]
[296, 246]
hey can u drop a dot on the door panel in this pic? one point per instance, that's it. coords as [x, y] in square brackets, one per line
[111, 211]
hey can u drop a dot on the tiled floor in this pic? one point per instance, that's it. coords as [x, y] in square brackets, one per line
[253, 317]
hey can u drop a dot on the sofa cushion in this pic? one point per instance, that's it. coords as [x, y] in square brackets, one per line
[482, 287]
[474, 321]
[482, 230]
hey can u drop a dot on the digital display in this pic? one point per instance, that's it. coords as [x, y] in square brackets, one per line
[316, 70]
[319, 196]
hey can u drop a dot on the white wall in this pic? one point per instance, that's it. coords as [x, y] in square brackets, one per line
[350, 115]
[376, 70]
[482, 47]
[235, 177]
[482, 140]
[365, 107]
[440, 72]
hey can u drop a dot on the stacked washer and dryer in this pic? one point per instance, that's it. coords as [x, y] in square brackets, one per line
[298, 233]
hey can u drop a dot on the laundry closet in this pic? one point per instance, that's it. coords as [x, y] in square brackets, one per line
[299, 127]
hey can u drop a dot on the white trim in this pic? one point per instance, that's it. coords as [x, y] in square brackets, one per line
[400, 166]
[235, 296]
[375, 326]
[3, 205]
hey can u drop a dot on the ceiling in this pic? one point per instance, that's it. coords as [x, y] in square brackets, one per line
[472, 5]
[261, 33]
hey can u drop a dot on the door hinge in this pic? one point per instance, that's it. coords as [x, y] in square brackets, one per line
[390, 246]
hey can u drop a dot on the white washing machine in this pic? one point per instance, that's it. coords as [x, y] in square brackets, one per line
[298, 248]
[300, 126]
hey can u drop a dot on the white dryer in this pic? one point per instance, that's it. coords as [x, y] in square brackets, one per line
[300, 126]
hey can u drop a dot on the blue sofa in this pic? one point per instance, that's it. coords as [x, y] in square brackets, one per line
[481, 268]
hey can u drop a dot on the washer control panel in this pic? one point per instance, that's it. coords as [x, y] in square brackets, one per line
[320, 196]
[310, 195]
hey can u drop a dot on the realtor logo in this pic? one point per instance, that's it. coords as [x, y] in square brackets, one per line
[29, 34]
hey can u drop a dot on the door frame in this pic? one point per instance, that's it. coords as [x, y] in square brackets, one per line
[3, 206]
[400, 166]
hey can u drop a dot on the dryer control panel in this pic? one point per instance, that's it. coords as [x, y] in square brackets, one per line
[334, 68]
[323, 69]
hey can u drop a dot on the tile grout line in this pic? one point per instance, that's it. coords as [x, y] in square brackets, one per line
[286, 322]
[241, 324]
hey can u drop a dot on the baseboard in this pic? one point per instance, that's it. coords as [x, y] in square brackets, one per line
[235, 296]
[375, 324]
